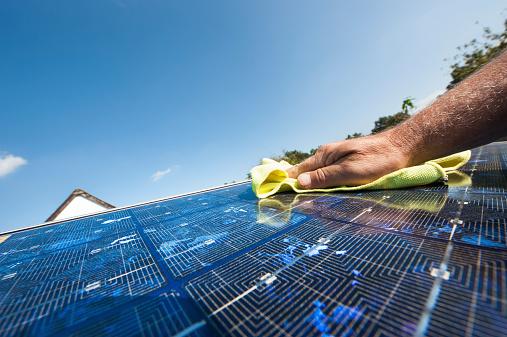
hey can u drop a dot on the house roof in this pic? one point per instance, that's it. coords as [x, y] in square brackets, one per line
[79, 193]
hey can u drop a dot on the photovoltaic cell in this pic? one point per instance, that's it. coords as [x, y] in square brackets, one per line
[422, 261]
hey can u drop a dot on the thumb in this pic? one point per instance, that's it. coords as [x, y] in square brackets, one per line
[320, 178]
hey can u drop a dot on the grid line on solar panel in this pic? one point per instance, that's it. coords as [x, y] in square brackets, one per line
[321, 277]
[116, 268]
[226, 230]
[222, 262]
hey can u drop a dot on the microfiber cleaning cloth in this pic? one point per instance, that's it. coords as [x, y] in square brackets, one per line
[271, 176]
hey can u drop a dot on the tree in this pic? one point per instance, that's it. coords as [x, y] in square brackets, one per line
[386, 122]
[354, 135]
[295, 156]
[475, 54]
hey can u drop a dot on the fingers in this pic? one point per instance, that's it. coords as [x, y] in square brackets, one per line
[332, 176]
[348, 163]
[325, 155]
[308, 164]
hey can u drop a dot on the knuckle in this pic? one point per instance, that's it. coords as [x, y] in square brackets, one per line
[320, 176]
[323, 149]
[323, 154]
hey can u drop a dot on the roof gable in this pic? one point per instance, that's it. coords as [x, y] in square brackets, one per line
[79, 202]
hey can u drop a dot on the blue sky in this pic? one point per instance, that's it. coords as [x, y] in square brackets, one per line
[102, 95]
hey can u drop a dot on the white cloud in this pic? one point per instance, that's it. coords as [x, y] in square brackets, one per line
[10, 163]
[160, 174]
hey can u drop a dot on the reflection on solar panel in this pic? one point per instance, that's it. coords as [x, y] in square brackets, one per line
[424, 261]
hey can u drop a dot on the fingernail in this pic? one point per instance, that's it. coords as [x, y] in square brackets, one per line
[304, 179]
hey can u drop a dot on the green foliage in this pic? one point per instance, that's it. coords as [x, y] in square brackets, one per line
[354, 135]
[295, 156]
[386, 122]
[475, 54]
[407, 105]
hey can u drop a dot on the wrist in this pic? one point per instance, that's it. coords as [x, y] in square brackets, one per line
[407, 142]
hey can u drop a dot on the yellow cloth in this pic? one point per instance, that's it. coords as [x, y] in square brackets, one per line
[271, 176]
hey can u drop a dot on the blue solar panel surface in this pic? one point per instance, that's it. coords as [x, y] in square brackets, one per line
[423, 261]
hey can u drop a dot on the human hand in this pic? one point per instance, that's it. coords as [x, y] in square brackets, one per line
[352, 162]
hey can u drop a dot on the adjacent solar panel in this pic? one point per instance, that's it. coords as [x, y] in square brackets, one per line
[424, 261]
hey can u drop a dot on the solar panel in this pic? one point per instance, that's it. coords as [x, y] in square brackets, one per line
[423, 261]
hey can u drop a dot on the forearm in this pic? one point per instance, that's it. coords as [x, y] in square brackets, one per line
[471, 114]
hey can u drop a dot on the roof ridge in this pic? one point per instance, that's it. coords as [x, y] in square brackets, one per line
[78, 192]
